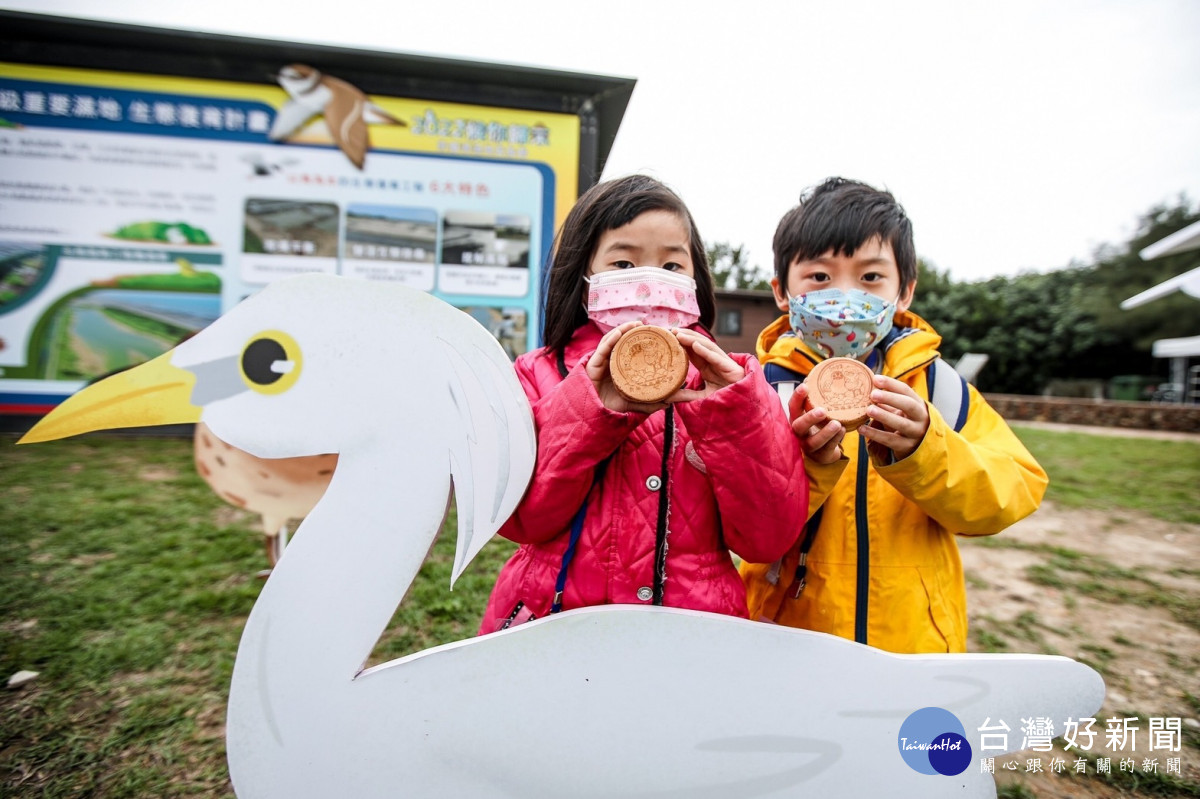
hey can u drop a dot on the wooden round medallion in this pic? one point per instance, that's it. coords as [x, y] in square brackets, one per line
[842, 386]
[648, 364]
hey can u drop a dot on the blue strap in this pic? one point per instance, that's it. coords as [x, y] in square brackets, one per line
[576, 530]
[949, 394]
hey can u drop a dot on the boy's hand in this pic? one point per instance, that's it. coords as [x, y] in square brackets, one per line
[597, 370]
[899, 418]
[820, 436]
[714, 364]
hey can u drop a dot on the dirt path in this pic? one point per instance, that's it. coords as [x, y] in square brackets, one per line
[1119, 432]
[1120, 591]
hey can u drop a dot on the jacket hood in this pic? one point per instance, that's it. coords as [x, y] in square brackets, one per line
[916, 345]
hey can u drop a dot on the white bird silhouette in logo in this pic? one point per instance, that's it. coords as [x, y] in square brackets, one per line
[346, 109]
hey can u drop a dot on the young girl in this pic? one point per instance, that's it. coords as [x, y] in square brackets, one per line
[632, 503]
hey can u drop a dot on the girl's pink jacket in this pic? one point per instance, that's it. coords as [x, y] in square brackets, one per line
[735, 478]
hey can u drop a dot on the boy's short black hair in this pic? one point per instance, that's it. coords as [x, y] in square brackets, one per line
[841, 215]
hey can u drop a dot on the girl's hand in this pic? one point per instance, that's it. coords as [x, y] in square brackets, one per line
[899, 418]
[820, 436]
[597, 370]
[716, 367]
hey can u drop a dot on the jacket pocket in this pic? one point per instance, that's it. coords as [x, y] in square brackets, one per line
[533, 583]
[945, 617]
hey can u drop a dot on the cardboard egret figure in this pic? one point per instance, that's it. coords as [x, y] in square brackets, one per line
[613, 701]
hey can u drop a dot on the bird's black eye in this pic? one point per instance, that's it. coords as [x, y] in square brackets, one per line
[270, 362]
[258, 359]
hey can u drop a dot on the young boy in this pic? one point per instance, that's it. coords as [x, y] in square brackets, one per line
[878, 562]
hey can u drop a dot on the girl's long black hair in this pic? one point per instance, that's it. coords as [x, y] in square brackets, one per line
[607, 206]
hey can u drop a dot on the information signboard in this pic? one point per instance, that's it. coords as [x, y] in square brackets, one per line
[138, 205]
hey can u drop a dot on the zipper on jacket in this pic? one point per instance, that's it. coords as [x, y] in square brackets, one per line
[863, 578]
[863, 530]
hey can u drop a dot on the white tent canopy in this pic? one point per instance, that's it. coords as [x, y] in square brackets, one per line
[1179, 241]
[1179, 350]
[1188, 283]
[1177, 347]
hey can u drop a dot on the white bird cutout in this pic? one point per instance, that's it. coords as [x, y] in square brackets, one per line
[613, 701]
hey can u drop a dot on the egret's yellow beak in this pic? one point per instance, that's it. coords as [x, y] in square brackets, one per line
[153, 393]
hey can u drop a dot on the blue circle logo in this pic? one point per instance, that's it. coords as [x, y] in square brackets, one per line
[933, 741]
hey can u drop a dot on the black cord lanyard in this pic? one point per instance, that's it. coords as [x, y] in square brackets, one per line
[660, 533]
[810, 535]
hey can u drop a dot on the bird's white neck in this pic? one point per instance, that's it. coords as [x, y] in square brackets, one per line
[337, 585]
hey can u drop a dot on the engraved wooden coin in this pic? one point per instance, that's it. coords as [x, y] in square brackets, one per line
[648, 364]
[842, 386]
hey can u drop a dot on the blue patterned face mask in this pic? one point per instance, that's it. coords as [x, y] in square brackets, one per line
[837, 323]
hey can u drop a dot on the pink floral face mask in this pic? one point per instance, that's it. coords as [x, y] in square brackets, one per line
[649, 294]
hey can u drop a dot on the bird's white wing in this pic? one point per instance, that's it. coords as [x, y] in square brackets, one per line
[289, 119]
[493, 461]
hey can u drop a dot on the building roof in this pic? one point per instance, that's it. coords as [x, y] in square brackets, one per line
[754, 294]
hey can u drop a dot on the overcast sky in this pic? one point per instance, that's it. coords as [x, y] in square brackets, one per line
[1018, 135]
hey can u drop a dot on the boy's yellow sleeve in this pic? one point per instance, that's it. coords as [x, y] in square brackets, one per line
[822, 477]
[975, 482]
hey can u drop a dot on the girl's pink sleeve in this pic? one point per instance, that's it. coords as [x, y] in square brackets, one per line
[574, 433]
[754, 461]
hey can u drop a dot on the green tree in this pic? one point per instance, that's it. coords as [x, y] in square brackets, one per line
[731, 270]
[1033, 327]
[1066, 323]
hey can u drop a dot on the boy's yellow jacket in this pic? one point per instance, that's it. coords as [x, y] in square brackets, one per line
[884, 568]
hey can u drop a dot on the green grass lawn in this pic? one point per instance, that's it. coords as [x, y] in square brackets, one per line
[1161, 478]
[125, 583]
